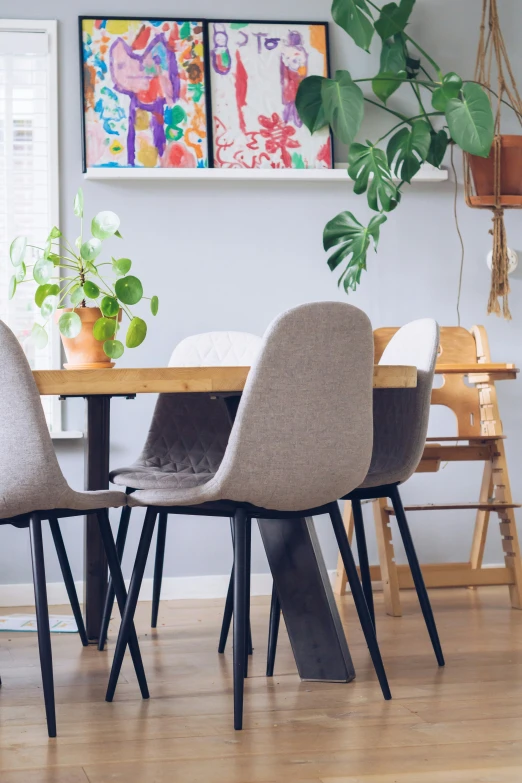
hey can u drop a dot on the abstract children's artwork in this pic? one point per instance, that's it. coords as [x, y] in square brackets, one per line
[255, 71]
[144, 93]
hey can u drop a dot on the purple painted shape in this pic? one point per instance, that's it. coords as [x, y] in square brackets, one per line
[294, 60]
[149, 91]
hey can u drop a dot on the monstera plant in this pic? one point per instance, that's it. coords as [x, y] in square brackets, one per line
[449, 109]
[75, 274]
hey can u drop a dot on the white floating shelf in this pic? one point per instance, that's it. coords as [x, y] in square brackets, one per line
[427, 173]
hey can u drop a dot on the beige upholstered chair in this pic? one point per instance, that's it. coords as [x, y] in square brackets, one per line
[302, 437]
[33, 488]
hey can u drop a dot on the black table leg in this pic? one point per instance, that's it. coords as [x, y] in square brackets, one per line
[96, 477]
[307, 601]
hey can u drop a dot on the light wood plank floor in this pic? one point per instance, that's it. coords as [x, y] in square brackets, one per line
[458, 725]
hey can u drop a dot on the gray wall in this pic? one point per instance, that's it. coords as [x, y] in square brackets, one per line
[233, 255]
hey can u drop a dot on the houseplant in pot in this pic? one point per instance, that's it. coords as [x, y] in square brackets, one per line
[75, 290]
[449, 110]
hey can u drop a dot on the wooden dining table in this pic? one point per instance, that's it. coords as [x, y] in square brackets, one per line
[292, 548]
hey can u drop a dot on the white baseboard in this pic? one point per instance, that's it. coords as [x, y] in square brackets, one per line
[172, 588]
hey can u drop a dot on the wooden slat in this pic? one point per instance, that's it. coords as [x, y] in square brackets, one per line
[173, 380]
[471, 440]
[450, 575]
[477, 369]
[457, 507]
[434, 451]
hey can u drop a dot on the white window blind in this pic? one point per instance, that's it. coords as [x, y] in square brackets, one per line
[28, 173]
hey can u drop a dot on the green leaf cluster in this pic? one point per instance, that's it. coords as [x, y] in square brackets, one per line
[449, 111]
[69, 274]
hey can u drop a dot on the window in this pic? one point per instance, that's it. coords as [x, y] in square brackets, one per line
[28, 172]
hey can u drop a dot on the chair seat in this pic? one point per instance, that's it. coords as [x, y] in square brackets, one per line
[196, 490]
[145, 477]
[75, 501]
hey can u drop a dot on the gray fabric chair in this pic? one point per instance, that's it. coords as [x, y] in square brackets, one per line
[301, 438]
[188, 437]
[33, 488]
[400, 425]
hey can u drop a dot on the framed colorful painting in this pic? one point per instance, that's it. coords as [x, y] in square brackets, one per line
[144, 93]
[255, 69]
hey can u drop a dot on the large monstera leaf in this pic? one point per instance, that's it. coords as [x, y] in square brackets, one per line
[408, 149]
[394, 18]
[470, 120]
[393, 66]
[353, 242]
[355, 17]
[368, 167]
[343, 104]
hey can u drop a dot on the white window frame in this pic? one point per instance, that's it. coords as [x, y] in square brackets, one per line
[49, 26]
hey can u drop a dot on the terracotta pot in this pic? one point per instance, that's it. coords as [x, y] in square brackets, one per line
[85, 352]
[483, 169]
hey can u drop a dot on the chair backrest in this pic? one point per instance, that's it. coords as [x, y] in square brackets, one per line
[456, 345]
[216, 349]
[400, 416]
[30, 477]
[302, 436]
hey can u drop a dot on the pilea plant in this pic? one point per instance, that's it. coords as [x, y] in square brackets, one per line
[449, 110]
[70, 273]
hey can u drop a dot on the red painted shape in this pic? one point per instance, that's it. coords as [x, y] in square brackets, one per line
[325, 154]
[142, 39]
[241, 90]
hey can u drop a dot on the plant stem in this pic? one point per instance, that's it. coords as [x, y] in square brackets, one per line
[416, 90]
[425, 54]
[390, 111]
[396, 79]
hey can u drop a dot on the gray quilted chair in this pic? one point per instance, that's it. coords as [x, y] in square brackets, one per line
[307, 403]
[400, 425]
[187, 438]
[33, 488]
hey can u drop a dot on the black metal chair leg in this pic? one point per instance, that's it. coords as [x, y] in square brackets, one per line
[42, 621]
[158, 567]
[227, 614]
[229, 608]
[416, 573]
[273, 632]
[129, 609]
[248, 637]
[121, 597]
[109, 598]
[364, 563]
[358, 597]
[240, 613]
[68, 578]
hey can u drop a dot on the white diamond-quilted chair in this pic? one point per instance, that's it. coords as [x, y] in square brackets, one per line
[186, 442]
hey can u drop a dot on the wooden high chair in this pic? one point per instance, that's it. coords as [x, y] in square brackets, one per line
[462, 355]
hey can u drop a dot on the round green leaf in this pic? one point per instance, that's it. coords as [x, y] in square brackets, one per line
[136, 333]
[154, 305]
[129, 290]
[91, 290]
[55, 233]
[113, 349]
[104, 329]
[78, 203]
[39, 336]
[450, 88]
[77, 295]
[70, 324]
[43, 271]
[43, 291]
[49, 306]
[12, 287]
[17, 250]
[471, 121]
[105, 224]
[309, 103]
[91, 249]
[110, 306]
[121, 266]
[21, 272]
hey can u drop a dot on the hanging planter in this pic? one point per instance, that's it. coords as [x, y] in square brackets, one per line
[495, 182]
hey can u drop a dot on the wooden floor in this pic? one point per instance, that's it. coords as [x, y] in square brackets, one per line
[458, 725]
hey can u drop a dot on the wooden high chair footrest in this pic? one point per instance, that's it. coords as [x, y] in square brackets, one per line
[470, 439]
[456, 507]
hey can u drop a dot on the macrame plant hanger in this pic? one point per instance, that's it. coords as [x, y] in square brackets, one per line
[492, 49]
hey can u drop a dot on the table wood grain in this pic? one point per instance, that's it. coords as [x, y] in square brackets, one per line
[182, 379]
